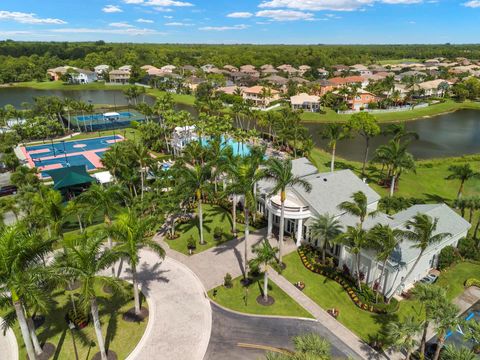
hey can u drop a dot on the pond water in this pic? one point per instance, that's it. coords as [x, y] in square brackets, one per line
[452, 134]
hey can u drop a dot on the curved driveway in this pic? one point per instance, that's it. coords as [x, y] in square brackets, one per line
[180, 320]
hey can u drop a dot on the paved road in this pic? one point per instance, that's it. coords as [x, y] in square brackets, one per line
[229, 329]
[180, 315]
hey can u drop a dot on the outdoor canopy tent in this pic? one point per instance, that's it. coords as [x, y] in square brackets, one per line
[69, 177]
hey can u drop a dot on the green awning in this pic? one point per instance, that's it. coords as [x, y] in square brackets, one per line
[70, 176]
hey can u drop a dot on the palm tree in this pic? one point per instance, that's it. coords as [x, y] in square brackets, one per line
[430, 297]
[280, 172]
[355, 238]
[403, 334]
[231, 167]
[105, 201]
[20, 253]
[326, 228]
[143, 158]
[334, 133]
[451, 352]
[423, 234]
[358, 207]
[307, 346]
[84, 261]
[385, 240]
[462, 173]
[445, 318]
[194, 179]
[265, 255]
[10, 204]
[245, 176]
[132, 233]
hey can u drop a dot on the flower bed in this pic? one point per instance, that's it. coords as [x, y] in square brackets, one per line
[472, 282]
[346, 282]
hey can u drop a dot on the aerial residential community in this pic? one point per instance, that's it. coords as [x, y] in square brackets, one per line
[239, 180]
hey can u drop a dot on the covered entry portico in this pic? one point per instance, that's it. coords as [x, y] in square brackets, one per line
[296, 212]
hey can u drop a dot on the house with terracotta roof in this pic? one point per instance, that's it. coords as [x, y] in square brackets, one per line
[55, 74]
[322, 72]
[119, 76]
[230, 68]
[261, 96]
[361, 69]
[349, 80]
[361, 100]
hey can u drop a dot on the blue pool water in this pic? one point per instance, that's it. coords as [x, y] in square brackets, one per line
[238, 148]
[100, 117]
[65, 162]
[70, 147]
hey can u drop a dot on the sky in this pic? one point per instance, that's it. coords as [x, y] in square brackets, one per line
[243, 21]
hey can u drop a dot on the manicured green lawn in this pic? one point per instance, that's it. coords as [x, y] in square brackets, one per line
[234, 298]
[213, 216]
[328, 294]
[427, 183]
[120, 336]
[447, 106]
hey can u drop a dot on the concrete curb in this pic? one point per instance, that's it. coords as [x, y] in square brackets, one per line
[138, 349]
[260, 315]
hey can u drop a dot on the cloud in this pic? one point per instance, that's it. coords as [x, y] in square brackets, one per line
[472, 4]
[112, 9]
[159, 3]
[224, 28]
[120, 25]
[145, 21]
[130, 31]
[175, 23]
[285, 15]
[240, 15]
[168, 17]
[28, 18]
[335, 5]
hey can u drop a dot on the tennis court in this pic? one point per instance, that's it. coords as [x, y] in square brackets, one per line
[88, 152]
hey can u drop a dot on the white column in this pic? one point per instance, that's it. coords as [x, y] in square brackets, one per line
[270, 223]
[341, 257]
[299, 231]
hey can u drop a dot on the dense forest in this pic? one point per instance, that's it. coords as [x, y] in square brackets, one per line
[25, 61]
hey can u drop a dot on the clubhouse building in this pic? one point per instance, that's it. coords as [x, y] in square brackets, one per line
[332, 188]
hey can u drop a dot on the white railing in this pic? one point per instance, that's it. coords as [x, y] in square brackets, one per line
[388, 110]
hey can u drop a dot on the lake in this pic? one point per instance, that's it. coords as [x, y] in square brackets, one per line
[452, 134]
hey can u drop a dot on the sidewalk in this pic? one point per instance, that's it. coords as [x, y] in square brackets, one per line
[355, 343]
[211, 265]
[8, 345]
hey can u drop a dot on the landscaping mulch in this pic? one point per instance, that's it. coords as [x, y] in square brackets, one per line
[111, 355]
[131, 316]
[265, 302]
[48, 352]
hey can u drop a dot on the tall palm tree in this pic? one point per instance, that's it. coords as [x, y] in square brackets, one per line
[195, 179]
[84, 261]
[326, 228]
[385, 240]
[265, 255]
[334, 133]
[430, 296]
[451, 352]
[423, 233]
[10, 204]
[355, 238]
[244, 179]
[143, 158]
[445, 319]
[48, 206]
[132, 232]
[309, 346]
[231, 167]
[403, 334]
[280, 172]
[20, 253]
[104, 200]
[462, 173]
[358, 207]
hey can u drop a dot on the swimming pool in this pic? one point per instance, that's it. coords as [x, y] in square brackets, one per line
[238, 148]
[100, 117]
